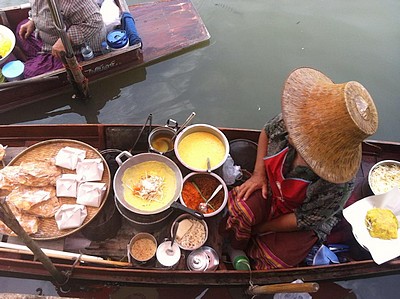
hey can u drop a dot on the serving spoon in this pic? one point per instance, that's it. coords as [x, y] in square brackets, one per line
[169, 250]
[203, 205]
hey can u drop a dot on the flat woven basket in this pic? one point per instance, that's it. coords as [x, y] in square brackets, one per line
[45, 150]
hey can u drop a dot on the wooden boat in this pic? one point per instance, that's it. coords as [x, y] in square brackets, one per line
[122, 137]
[166, 27]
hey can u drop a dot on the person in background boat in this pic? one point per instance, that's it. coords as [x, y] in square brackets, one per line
[307, 159]
[39, 38]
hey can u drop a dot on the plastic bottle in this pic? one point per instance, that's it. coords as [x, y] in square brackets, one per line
[105, 48]
[87, 52]
[239, 259]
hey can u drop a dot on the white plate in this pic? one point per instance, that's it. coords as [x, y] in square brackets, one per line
[381, 250]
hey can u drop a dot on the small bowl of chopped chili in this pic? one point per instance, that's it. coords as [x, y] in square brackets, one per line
[198, 187]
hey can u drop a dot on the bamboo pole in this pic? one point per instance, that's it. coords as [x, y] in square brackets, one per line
[20, 249]
[7, 216]
[75, 75]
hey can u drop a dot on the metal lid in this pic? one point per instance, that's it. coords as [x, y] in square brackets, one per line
[197, 260]
[203, 259]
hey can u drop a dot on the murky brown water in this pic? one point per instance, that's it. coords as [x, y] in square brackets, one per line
[236, 80]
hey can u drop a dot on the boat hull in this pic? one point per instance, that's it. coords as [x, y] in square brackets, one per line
[122, 137]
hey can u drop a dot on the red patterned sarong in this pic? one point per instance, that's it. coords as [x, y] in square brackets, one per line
[273, 250]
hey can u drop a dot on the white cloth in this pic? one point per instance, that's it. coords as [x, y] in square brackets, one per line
[70, 216]
[90, 170]
[68, 157]
[91, 194]
[67, 185]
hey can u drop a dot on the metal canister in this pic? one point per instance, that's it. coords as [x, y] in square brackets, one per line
[203, 259]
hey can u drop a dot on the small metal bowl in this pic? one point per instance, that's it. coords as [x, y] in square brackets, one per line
[384, 166]
[191, 231]
[136, 238]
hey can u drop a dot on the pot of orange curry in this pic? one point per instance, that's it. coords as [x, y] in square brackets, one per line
[148, 184]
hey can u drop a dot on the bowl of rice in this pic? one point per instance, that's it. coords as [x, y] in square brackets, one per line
[384, 176]
[7, 43]
[191, 232]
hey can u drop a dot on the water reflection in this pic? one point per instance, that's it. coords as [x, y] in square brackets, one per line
[370, 288]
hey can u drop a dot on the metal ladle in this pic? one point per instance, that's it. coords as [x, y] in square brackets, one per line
[169, 250]
[203, 205]
[183, 125]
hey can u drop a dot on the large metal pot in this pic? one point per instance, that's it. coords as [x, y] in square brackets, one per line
[140, 158]
[202, 128]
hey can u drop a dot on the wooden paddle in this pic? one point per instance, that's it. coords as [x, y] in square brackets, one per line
[307, 287]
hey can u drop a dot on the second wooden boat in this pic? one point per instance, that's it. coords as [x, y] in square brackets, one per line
[167, 28]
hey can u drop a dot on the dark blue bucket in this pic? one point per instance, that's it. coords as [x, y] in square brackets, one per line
[117, 39]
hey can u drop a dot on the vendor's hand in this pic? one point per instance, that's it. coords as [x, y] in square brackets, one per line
[57, 48]
[254, 183]
[26, 29]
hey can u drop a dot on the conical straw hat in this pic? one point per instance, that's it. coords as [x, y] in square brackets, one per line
[327, 122]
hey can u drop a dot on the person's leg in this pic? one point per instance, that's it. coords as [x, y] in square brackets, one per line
[281, 250]
[36, 63]
[243, 215]
[41, 64]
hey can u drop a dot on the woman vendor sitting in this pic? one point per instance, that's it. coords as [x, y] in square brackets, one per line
[39, 38]
[306, 163]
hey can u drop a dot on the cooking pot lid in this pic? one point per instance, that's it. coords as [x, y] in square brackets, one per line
[117, 38]
[244, 153]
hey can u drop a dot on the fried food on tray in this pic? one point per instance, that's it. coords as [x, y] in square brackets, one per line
[2, 152]
[37, 201]
[382, 223]
[28, 222]
[36, 174]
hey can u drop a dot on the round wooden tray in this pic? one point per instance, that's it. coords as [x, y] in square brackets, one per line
[45, 150]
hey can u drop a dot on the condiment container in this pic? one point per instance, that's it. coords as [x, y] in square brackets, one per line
[13, 70]
[168, 256]
[203, 259]
[206, 183]
[142, 248]
[191, 234]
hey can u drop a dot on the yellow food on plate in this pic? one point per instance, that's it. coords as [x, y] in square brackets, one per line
[195, 148]
[5, 45]
[149, 186]
[382, 224]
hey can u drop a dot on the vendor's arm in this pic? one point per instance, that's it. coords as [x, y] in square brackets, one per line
[258, 180]
[57, 48]
[284, 223]
[26, 29]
